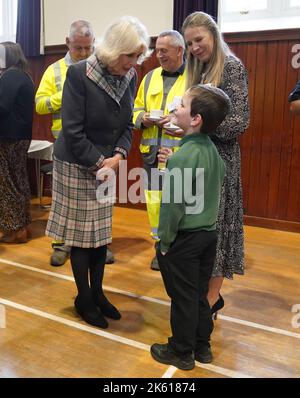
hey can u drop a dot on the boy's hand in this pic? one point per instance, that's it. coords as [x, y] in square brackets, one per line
[163, 154]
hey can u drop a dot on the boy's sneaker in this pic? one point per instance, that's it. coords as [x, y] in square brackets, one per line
[164, 354]
[203, 354]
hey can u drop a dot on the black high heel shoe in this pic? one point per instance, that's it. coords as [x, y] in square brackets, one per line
[219, 304]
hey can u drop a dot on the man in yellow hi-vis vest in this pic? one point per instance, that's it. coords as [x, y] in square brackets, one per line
[161, 89]
[80, 43]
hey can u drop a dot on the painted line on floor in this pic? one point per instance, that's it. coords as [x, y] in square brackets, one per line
[225, 372]
[70, 278]
[75, 324]
[258, 326]
[169, 373]
[157, 301]
[113, 337]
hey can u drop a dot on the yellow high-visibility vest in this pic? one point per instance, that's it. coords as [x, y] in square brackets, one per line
[48, 97]
[150, 96]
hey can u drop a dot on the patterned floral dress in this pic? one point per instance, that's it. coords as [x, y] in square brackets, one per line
[16, 115]
[230, 247]
[15, 190]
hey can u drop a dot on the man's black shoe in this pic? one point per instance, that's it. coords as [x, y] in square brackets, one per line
[163, 354]
[203, 354]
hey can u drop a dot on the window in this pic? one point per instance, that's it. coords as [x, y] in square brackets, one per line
[249, 15]
[232, 6]
[8, 20]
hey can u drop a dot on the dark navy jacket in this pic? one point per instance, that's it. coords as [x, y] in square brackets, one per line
[94, 124]
[16, 105]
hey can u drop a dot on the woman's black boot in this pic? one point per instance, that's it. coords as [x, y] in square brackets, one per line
[106, 307]
[90, 313]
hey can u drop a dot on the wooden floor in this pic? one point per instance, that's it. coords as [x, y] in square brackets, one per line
[255, 336]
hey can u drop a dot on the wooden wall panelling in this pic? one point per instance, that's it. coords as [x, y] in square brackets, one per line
[293, 202]
[267, 133]
[41, 124]
[255, 130]
[280, 103]
[287, 142]
[270, 165]
[241, 51]
[247, 138]
[293, 194]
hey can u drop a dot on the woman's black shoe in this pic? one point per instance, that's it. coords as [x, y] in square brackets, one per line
[219, 304]
[90, 314]
[106, 307]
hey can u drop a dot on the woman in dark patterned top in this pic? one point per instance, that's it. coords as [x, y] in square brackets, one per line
[97, 107]
[211, 61]
[16, 115]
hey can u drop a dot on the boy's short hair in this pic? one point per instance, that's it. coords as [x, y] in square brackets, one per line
[211, 103]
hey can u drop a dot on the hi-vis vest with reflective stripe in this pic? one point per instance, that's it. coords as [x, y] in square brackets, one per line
[49, 94]
[150, 96]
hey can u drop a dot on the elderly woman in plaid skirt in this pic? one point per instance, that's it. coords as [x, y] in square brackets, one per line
[97, 109]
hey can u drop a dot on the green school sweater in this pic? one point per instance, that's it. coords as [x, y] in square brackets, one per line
[191, 189]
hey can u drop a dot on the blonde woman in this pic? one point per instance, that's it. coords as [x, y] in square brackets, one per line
[97, 109]
[209, 60]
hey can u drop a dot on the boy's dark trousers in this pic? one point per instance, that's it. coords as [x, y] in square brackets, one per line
[186, 270]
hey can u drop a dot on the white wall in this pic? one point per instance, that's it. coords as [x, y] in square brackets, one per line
[157, 15]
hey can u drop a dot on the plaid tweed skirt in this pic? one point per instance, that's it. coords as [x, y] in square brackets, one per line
[76, 217]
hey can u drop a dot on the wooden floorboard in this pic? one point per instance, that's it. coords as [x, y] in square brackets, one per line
[45, 338]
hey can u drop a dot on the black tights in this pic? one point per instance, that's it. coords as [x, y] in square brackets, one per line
[88, 269]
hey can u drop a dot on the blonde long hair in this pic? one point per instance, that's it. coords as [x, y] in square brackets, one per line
[212, 72]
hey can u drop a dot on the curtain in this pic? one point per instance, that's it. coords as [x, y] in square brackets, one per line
[29, 26]
[8, 13]
[182, 8]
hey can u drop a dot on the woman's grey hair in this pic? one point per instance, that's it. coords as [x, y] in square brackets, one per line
[177, 38]
[81, 28]
[125, 36]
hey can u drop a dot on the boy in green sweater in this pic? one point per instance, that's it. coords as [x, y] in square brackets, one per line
[187, 227]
